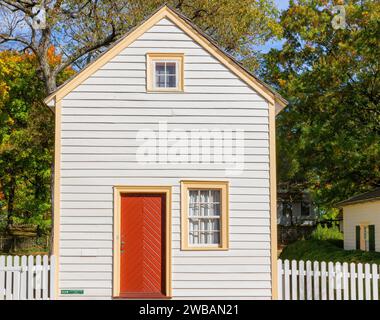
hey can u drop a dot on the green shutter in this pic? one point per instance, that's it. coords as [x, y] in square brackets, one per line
[371, 231]
[357, 237]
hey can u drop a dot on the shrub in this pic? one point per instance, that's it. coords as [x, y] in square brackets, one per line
[318, 250]
[325, 233]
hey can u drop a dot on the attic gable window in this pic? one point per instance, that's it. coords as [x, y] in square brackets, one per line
[164, 72]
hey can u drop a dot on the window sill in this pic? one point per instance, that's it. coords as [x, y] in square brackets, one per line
[165, 91]
[204, 249]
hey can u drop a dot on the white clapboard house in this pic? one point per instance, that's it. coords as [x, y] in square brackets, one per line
[165, 182]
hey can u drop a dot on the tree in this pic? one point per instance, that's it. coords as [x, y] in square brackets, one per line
[81, 29]
[26, 140]
[329, 135]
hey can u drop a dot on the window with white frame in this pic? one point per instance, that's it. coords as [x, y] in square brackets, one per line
[204, 215]
[165, 72]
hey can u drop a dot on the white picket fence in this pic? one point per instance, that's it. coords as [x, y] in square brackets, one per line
[298, 280]
[27, 278]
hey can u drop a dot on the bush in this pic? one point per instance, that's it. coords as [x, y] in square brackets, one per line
[324, 233]
[318, 250]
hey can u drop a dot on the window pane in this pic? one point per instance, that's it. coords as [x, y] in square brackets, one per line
[194, 228]
[194, 210]
[216, 237]
[215, 225]
[203, 238]
[171, 68]
[160, 68]
[160, 81]
[193, 194]
[204, 217]
[194, 203]
[215, 209]
[204, 210]
[204, 203]
[204, 196]
[215, 196]
[171, 81]
[204, 225]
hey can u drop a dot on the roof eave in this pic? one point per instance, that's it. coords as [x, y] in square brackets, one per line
[348, 203]
[269, 93]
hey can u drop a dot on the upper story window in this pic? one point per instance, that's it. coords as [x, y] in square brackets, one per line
[164, 72]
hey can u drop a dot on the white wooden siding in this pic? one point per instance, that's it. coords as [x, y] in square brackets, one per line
[100, 120]
[357, 214]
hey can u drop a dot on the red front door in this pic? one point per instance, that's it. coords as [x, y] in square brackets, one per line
[142, 256]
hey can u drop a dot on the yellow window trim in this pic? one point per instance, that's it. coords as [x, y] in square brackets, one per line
[151, 58]
[224, 229]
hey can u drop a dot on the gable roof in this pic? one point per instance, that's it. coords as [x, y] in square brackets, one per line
[364, 197]
[182, 22]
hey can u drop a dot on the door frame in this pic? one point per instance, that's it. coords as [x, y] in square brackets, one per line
[117, 191]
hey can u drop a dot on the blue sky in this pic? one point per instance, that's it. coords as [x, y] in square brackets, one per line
[282, 5]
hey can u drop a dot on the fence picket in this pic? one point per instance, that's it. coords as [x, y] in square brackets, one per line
[8, 285]
[331, 280]
[30, 277]
[294, 280]
[309, 292]
[367, 272]
[360, 281]
[301, 280]
[353, 281]
[27, 278]
[52, 278]
[2, 278]
[323, 281]
[327, 281]
[316, 280]
[23, 278]
[375, 282]
[38, 278]
[345, 281]
[45, 277]
[338, 280]
[286, 280]
[16, 279]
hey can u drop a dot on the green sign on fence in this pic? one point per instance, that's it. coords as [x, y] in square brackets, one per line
[72, 291]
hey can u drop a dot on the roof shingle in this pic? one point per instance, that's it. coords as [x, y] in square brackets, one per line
[367, 196]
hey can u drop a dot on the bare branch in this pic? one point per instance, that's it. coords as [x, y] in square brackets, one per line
[86, 50]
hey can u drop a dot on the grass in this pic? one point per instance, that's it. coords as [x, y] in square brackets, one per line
[325, 250]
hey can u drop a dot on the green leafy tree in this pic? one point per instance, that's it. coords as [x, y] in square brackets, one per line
[26, 140]
[83, 29]
[329, 135]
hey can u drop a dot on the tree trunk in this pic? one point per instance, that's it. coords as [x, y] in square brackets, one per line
[51, 84]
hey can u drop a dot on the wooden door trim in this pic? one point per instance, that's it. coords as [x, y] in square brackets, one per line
[118, 190]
